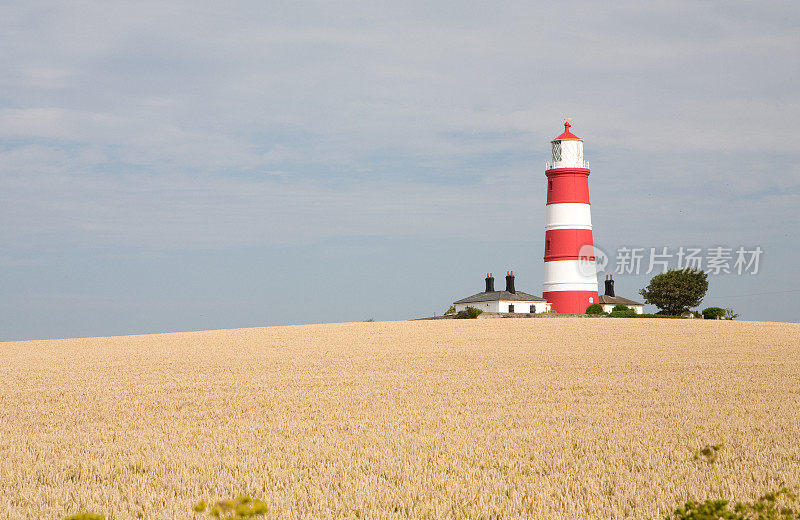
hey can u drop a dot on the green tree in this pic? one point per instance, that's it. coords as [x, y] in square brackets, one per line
[622, 311]
[595, 308]
[713, 313]
[676, 290]
[470, 313]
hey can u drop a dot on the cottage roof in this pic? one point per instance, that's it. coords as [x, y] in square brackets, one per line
[616, 300]
[518, 296]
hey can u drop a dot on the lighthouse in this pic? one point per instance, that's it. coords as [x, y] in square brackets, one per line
[570, 276]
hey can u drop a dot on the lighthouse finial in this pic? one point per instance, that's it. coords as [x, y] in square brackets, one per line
[567, 123]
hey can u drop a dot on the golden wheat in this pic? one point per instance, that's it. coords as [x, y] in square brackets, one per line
[538, 418]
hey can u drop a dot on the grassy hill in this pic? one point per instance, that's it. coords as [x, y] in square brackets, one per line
[570, 418]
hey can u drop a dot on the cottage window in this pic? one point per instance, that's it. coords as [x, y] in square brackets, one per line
[510, 308]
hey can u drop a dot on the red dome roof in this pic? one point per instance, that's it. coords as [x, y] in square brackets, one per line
[567, 134]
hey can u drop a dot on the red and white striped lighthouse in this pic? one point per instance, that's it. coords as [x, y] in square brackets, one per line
[570, 276]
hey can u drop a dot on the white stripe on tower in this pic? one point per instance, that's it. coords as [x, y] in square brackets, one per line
[570, 279]
[568, 215]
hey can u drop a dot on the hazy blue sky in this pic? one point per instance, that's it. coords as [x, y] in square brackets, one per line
[178, 165]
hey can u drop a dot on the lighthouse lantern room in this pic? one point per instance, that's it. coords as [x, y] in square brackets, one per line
[570, 276]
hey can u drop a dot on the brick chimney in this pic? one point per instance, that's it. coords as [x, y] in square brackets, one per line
[510, 282]
[609, 285]
[489, 282]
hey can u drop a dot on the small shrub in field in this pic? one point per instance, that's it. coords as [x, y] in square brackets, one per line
[87, 516]
[469, 313]
[730, 315]
[713, 313]
[238, 509]
[595, 308]
[771, 506]
[709, 455]
[622, 311]
[451, 310]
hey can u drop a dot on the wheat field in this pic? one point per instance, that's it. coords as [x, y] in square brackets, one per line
[515, 418]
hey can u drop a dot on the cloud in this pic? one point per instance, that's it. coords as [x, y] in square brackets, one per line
[57, 123]
[188, 125]
[401, 77]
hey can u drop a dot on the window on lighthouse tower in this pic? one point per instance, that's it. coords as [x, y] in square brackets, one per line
[556, 150]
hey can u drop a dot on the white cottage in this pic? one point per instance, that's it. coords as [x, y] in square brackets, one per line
[608, 300]
[508, 301]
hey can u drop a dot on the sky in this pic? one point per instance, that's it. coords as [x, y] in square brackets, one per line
[189, 165]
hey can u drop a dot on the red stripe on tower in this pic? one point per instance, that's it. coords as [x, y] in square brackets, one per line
[566, 244]
[568, 185]
[570, 278]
